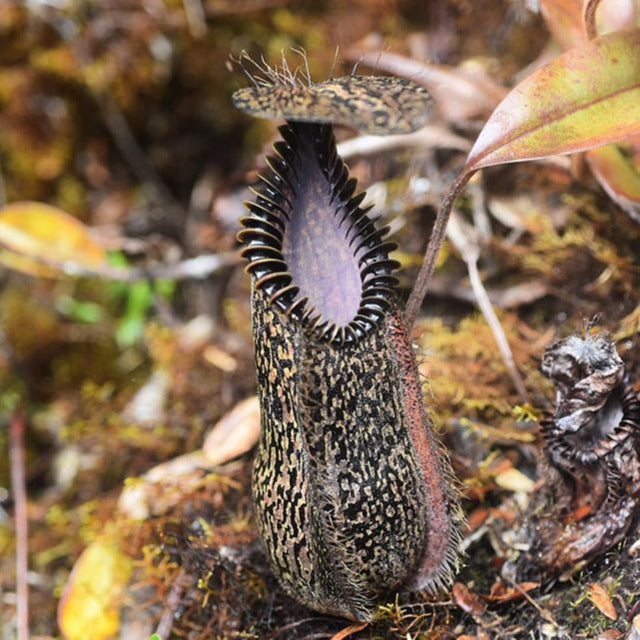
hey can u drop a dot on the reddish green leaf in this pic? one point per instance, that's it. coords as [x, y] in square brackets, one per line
[616, 173]
[619, 177]
[564, 19]
[586, 98]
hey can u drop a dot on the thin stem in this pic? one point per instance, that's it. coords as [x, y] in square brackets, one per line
[589, 18]
[466, 240]
[196, 268]
[130, 149]
[18, 483]
[181, 582]
[196, 17]
[496, 328]
[438, 233]
[349, 631]
[3, 190]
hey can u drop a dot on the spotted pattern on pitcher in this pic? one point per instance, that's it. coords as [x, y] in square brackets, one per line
[340, 499]
[353, 495]
[377, 105]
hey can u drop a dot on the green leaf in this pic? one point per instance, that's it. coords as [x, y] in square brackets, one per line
[139, 299]
[80, 311]
[586, 98]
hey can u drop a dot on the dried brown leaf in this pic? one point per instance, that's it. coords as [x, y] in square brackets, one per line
[501, 593]
[234, 434]
[601, 600]
[610, 634]
[349, 631]
[467, 600]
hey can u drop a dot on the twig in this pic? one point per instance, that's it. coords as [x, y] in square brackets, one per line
[429, 137]
[349, 631]
[496, 328]
[481, 220]
[182, 581]
[196, 268]
[3, 190]
[16, 456]
[589, 18]
[469, 251]
[545, 614]
[130, 149]
[195, 17]
[293, 625]
[423, 279]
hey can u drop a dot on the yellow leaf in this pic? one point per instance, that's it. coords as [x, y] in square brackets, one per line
[42, 240]
[514, 480]
[90, 604]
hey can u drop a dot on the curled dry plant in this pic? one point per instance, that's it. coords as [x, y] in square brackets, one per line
[593, 470]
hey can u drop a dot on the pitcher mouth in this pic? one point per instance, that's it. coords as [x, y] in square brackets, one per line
[311, 247]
